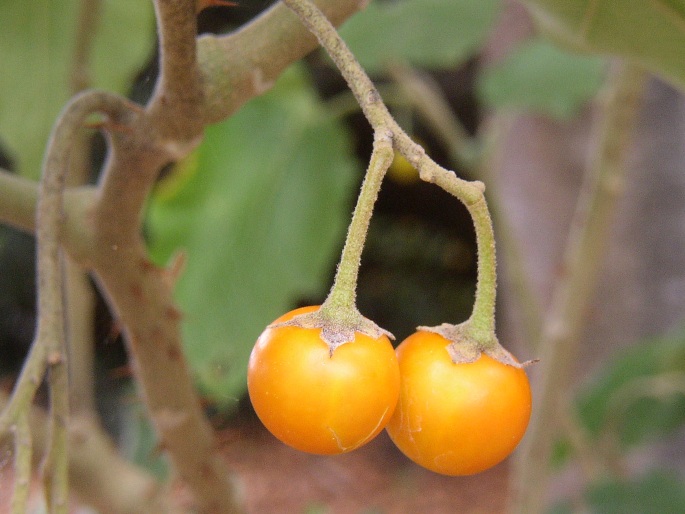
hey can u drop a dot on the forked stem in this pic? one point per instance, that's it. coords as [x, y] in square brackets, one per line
[480, 325]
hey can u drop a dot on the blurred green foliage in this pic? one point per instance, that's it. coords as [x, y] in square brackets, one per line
[637, 398]
[656, 492]
[540, 77]
[425, 33]
[36, 50]
[651, 33]
[640, 395]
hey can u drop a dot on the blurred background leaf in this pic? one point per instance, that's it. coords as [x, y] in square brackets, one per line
[652, 33]
[541, 77]
[657, 492]
[261, 211]
[640, 395]
[426, 33]
[36, 49]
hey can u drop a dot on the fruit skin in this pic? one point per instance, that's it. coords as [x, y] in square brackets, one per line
[457, 419]
[317, 402]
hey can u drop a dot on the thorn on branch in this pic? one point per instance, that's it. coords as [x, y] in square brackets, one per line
[172, 313]
[174, 269]
[205, 4]
[108, 125]
[174, 353]
[55, 358]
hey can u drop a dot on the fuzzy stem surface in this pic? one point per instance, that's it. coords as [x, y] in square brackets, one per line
[343, 293]
[481, 323]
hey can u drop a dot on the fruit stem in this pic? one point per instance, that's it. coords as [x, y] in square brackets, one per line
[480, 327]
[389, 135]
[342, 297]
[481, 324]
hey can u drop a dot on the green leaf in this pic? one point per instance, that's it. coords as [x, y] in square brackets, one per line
[541, 77]
[426, 33]
[651, 33]
[640, 394]
[36, 48]
[655, 493]
[261, 217]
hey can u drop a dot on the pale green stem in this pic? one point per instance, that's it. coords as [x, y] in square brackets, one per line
[18, 197]
[343, 293]
[481, 324]
[467, 152]
[562, 330]
[49, 346]
[528, 308]
[482, 321]
[56, 468]
[23, 453]
[358, 81]
[51, 329]
[88, 19]
[79, 296]
[29, 380]
[341, 299]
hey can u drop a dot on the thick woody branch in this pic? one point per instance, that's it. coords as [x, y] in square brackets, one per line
[140, 295]
[233, 69]
[177, 98]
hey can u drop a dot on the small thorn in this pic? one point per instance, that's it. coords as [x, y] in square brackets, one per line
[54, 358]
[110, 126]
[114, 331]
[201, 5]
[173, 313]
[137, 292]
[120, 372]
[173, 352]
[175, 268]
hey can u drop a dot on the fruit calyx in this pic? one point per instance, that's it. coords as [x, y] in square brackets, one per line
[337, 328]
[465, 348]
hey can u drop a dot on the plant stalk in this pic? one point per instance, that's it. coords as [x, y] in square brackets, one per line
[358, 81]
[481, 323]
[575, 287]
[343, 293]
